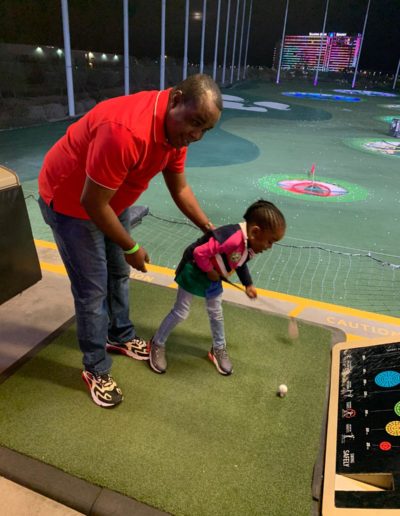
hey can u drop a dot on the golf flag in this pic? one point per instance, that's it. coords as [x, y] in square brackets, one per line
[312, 171]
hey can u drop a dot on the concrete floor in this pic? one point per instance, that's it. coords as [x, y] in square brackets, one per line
[32, 318]
[17, 500]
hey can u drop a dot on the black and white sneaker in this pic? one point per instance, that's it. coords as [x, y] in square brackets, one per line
[220, 358]
[136, 348]
[103, 389]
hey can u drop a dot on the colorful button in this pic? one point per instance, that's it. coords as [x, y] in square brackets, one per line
[387, 379]
[393, 428]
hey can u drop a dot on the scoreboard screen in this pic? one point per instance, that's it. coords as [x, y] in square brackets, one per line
[338, 51]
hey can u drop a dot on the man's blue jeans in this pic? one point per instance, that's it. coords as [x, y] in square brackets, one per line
[99, 278]
[181, 311]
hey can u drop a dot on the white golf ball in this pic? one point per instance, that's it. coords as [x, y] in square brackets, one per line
[282, 390]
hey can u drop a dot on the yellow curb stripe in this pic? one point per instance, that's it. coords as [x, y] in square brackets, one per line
[160, 270]
[47, 245]
[310, 303]
[52, 267]
[150, 267]
[297, 311]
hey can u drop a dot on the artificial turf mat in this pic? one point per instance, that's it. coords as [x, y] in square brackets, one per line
[190, 442]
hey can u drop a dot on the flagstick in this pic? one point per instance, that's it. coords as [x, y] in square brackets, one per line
[313, 174]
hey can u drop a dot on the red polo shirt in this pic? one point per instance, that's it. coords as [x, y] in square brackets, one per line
[120, 144]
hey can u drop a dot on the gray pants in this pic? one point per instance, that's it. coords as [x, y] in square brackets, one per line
[181, 311]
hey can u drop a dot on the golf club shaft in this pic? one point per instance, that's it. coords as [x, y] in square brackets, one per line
[226, 280]
[232, 284]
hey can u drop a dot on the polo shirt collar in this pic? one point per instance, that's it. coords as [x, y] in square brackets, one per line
[243, 227]
[160, 111]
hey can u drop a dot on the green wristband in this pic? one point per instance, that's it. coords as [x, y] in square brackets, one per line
[134, 249]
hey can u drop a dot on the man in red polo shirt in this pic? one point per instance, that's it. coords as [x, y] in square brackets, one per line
[89, 179]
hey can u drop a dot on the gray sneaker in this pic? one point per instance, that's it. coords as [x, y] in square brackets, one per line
[157, 358]
[219, 357]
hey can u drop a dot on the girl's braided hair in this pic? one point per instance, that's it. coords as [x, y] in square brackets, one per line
[266, 215]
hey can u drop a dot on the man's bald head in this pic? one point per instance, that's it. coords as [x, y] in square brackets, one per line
[199, 86]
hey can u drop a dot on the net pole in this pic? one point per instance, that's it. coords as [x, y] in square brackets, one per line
[234, 39]
[216, 40]
[228, 10]
[321, 43]
[396, 75]
[203, 36]
[185, 44]
[361, 44]
[162, 56]
[126, 48]
[247, 40]
[68, 60]
[241, 40]
[278, 75]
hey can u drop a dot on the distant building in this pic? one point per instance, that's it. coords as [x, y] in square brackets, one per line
[338, 52]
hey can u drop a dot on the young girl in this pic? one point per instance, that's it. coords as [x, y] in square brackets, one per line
[205, 263]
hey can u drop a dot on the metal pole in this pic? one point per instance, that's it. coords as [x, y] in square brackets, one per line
[228, 10]
[203, 35]
[247, 41]
[241, 40]
[322, 40]
[396, 75]
[162, 56]
[361, 44]
[278, 75]
[216, 41]
[68, 60]
[185, 55]
[234, 39]
[126, 47]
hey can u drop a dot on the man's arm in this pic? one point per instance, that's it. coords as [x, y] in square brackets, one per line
[185, 199]
[96, 201]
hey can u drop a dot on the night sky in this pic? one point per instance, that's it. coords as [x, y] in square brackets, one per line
[97, 25]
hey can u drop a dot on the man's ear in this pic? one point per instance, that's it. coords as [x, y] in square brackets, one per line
[177, 98]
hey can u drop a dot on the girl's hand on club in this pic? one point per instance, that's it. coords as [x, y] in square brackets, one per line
[251, 292]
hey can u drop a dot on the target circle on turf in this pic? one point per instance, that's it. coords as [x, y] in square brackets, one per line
[368, 93]
[389, 147]
[312, 188]
[320, 96]
[323, 189]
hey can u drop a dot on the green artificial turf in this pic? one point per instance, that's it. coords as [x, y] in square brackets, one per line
[190, 442]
